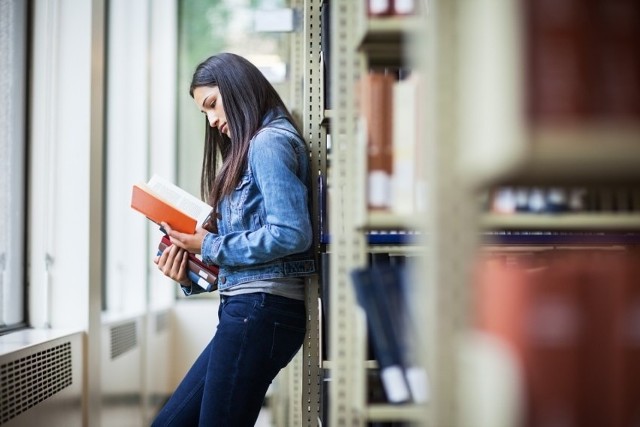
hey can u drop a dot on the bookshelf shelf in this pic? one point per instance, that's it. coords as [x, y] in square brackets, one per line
[391, 221]
[562, 222]
[588, 154]
[384, 412]
[368, 364]
[582, 155]
[399, 249]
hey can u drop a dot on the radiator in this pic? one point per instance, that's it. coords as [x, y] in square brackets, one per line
[41, 384]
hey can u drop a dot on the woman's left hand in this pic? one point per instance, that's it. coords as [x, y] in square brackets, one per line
[190, 242]
[173, 264]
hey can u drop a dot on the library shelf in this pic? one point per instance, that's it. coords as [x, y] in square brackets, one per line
[579, 154]
[562, 221]
[396, 412]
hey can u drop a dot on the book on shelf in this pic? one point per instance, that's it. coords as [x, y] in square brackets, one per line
[162, 201]
[555, 200]
[325, 50]
[385, 343]
[584, 64]
[405, 194]
[323, 209]
[380, 8]
[376, 102]
[393, 293]
[203, 275]
[405, 7]
[570, 318]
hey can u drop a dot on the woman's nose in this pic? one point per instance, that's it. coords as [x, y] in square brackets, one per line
[213, 119]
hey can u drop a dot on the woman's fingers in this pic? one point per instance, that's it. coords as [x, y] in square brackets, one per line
[171, 262]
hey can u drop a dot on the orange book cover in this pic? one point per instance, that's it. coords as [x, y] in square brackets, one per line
[161, 201]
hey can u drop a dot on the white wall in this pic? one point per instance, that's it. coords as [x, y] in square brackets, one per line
[194, 325]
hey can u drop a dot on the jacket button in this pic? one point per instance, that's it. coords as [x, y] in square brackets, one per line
[223, 280]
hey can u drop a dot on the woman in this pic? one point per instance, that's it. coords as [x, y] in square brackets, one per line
[260, 237]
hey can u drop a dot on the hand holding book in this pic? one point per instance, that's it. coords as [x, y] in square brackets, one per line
[203, 275]
[182, 217]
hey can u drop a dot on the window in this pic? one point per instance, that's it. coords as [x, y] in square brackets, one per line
[207, 27]
[13, 84]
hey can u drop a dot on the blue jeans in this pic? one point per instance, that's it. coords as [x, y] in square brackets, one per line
[258, 335]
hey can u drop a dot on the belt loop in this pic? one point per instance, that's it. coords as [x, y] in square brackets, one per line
[264, 299]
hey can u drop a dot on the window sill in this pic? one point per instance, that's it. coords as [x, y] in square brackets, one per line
[25, 338]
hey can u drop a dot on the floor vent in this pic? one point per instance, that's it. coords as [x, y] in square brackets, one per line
[30, 380]
[162, 322]
[123, 338]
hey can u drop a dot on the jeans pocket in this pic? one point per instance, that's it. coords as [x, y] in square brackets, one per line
[238, 309]
[287, 340]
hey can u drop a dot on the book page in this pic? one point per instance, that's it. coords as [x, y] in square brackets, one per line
[181, 199]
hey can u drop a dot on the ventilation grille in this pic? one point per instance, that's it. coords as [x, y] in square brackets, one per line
[30, 380]
[123, 338]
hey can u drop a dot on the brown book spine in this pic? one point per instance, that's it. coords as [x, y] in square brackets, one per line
[616, 58]
[376, 108]
[557, 60]
[601, 276]
[630, 342]
[553, 331]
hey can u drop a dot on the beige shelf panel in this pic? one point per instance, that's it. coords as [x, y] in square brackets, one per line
[405, 412]
[587, 154]
[568, 221]
[367, 364]
[380, 220]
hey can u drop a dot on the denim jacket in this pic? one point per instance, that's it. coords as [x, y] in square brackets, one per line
[264, 228]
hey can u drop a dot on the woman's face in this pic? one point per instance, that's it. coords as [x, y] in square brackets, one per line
[209, 101]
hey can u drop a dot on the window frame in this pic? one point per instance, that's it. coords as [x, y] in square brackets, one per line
[13, 262]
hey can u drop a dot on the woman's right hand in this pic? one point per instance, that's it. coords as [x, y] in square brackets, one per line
[173, 263]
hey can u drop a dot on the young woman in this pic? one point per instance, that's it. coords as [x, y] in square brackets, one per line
[255, 173]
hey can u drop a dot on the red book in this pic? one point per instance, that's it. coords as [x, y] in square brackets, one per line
[205, 276]
[557, 35]
[602, 276]
[629, 334]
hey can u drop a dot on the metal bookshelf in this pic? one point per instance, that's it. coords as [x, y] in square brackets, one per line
[499, 146]
[298, 390]
[312, 117]
[469, 54]
[357, 44]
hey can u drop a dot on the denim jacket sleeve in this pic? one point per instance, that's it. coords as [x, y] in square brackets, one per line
[275, 212]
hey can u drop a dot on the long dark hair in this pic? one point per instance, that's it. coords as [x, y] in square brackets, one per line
[247, 96]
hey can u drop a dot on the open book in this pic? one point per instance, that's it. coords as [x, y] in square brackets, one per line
[162, 201]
